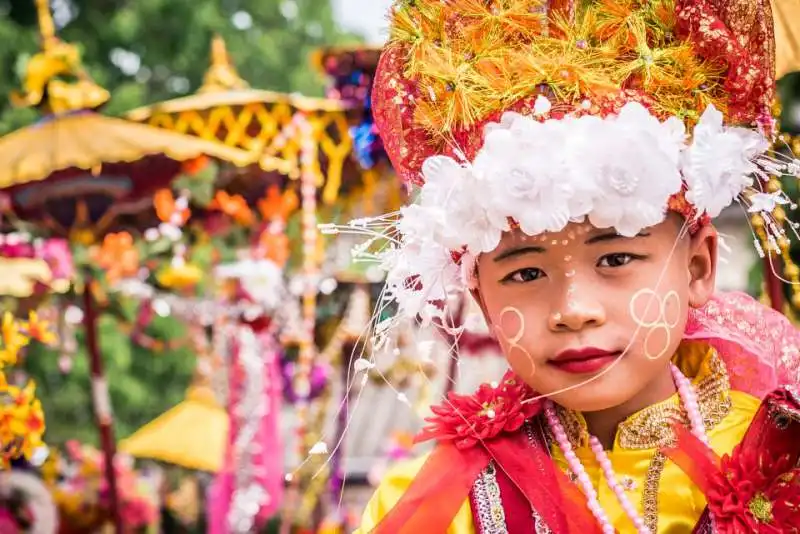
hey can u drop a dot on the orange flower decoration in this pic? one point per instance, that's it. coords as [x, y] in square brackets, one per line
[234, 206]
[117, 255]
[193, 166]
[276, 205]
[164, 203]
[274, 247]
[39, 329]
[21, 422]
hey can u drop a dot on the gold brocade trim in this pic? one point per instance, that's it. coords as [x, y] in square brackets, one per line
[650, 494]
[651, 428]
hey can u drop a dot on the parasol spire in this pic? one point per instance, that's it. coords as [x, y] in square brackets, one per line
[221, 75]
[54, 79]
[47, 28]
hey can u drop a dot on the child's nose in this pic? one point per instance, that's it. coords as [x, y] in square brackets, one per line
[580, 310]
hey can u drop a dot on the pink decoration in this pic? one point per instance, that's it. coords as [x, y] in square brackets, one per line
[57, 254]
[8, 525]
[760, 347]
[266, 465]
[269, 465]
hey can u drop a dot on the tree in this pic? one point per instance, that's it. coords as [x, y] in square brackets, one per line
[145, 51]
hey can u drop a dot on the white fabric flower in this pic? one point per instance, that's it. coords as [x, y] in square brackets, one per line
[542, 105]
[535, 191]
[419, 273]
[718, 165]
[457, 191]
[634, 162]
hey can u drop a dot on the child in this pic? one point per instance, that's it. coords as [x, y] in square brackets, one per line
[570, 156]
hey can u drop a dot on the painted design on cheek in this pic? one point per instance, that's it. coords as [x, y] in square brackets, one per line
[512, 320]
[654, 318]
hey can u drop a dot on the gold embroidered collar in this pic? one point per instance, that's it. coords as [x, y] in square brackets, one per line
[651, 428]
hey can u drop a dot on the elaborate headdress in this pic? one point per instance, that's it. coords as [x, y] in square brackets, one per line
[536, 113]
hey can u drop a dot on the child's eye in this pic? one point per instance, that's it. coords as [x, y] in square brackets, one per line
[524, 275]
[616, 260]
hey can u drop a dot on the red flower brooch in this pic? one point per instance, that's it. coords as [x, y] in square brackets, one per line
[748, 491]
[751, 493]
[492, 410]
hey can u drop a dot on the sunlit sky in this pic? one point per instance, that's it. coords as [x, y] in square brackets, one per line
[367, 17]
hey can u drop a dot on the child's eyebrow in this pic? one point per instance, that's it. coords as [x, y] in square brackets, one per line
[518, 251]
[513, 252]
[612, 236]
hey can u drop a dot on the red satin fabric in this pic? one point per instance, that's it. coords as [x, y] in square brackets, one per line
[446, 480]
[695, 458]
[437, 492]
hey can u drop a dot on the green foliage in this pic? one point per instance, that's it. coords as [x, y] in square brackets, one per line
[142, 384]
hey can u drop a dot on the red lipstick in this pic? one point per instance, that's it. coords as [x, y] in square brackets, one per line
[583, 361]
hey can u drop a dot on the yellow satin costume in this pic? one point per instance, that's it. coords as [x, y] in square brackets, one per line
[662, 493]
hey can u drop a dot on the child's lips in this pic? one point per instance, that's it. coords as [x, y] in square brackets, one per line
[584, 361]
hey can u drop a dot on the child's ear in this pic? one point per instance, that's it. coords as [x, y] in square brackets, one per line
[702, 265]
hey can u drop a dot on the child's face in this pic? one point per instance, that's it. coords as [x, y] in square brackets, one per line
[566, 306]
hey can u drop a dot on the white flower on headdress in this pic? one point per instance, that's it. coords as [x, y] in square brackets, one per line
[420, 273]
[634, 188]
[535, 191]
[456, 190]
[718, 164]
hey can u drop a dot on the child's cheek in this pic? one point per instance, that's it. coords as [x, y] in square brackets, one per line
[510, 330]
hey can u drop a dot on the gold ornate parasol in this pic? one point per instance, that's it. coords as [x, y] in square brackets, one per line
[73, 135]
[225, 108]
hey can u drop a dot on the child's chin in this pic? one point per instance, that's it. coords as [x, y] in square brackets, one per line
[591, 398]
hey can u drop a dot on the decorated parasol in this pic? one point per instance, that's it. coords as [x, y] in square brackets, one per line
[78, 173]
[192, 434]
[227, 109]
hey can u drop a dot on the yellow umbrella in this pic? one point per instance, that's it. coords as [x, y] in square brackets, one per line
[787, 36]
[89, 140]
[193, 434]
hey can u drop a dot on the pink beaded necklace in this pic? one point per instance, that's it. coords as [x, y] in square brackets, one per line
[688, 400]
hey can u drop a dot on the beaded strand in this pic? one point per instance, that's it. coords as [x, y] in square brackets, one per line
[689, 401]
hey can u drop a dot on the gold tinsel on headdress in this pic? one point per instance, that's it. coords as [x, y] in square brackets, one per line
[471, 58]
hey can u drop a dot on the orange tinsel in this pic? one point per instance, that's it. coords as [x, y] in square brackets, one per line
[279, 206]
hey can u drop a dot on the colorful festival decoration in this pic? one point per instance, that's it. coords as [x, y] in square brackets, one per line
[80, 174]
[21, 417]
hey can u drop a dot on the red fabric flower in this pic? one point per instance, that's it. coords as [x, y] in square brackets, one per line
[468, 420]
[752, 493]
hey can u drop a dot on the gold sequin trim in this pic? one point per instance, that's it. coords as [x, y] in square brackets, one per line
[714, 400]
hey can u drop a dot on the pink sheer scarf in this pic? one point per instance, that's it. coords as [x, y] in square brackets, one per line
[760, 347]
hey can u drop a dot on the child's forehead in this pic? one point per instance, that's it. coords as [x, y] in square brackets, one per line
[573, 233]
